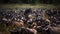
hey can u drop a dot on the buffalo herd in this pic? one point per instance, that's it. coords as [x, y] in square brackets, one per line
[31, 21]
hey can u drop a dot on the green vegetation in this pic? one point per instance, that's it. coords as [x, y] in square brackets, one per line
[31, 1]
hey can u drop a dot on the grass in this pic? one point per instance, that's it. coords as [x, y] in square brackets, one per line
[28, 6]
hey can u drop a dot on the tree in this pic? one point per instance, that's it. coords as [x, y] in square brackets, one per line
[31, 1]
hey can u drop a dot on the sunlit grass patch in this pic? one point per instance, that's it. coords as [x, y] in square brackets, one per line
[28, 6]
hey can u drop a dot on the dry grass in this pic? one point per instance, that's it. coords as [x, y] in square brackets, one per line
[28, 6]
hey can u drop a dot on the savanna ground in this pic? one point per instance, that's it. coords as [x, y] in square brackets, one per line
[5, 30]
[29, 6]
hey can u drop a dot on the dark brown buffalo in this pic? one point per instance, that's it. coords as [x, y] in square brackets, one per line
[22, 31]
[54, 30]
